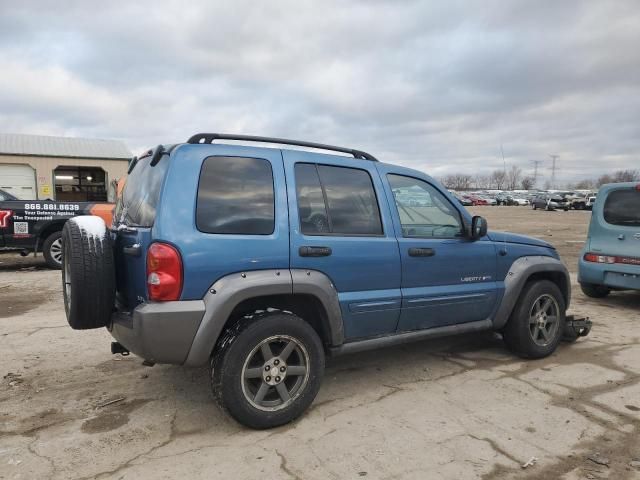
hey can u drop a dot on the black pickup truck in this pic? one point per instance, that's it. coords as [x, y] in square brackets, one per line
[36, 225]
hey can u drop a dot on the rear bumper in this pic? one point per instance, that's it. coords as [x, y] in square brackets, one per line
[624, 277]
[159, 332]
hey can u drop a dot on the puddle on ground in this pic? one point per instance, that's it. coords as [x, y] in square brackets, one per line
[112, 417]
[15, 301]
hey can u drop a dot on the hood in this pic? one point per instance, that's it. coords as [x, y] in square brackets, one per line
[515, 238]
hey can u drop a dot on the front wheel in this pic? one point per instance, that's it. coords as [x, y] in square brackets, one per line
[268, 369]
[537, 322]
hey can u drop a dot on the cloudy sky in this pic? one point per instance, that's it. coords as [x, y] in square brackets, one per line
[434, 85]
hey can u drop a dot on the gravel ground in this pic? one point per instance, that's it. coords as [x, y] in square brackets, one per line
[448, 409]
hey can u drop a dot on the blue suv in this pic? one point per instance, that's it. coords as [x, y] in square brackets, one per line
[261, 261]
[611, 256]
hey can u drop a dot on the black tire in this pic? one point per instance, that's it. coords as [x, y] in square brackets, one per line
[534, 206]
[521, 329]
[240, 348]
[52, 250]
[594, 291]
[88, 277]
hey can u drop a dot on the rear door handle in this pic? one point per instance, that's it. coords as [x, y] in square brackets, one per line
[421, 252]
[314, 251]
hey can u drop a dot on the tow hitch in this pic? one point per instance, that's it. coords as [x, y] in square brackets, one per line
[577, 327]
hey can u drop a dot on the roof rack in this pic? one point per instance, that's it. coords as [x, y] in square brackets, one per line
[205, 138]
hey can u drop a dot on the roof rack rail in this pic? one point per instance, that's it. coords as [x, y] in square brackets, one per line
[205, 138]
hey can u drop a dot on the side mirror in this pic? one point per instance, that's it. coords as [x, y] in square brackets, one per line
[478, 227]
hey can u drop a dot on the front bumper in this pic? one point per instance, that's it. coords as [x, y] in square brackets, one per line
[159, 332]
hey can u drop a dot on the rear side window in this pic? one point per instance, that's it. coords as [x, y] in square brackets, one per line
[336, 201]
[236, 196]
[139, 200]
[622, 207]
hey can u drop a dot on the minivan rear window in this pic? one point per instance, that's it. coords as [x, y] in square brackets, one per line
[622, 207]
[139, 200]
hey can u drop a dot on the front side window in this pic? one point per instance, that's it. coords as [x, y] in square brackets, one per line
[336, 201]
[622, 207]
[236, 196]
[423, 210]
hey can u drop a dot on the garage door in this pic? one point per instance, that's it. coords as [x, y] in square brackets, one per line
[18, 180]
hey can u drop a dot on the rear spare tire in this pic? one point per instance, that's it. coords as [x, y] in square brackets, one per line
[88, 274]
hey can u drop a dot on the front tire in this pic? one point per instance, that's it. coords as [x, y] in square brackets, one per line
[594, 291]
[268, 369]
[537, 322]
[52, 250]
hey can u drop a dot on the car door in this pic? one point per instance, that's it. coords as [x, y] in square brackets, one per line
[446, 277]
[340, 225]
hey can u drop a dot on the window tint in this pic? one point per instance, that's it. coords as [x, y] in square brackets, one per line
[137, 205]
[423, 210]
[236, 196]
[622, 207]
[351, 206]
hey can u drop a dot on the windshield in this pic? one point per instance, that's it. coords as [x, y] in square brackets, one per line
[622, 207]
[136, 207]
[4, 196]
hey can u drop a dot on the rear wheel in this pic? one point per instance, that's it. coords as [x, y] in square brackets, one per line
[268, 370]
[537, 322]
[52, 250]
[594, 291]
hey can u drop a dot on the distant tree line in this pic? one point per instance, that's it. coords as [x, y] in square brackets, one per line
[513, 179]
[619, 176]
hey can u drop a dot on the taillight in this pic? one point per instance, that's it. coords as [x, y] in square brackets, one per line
[164, 272]
[595, 258]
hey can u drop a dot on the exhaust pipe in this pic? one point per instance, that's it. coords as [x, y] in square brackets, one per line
[116, 348]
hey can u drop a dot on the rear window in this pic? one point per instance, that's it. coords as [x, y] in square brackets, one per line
[139, 200]
[236, 196]
[622, 207]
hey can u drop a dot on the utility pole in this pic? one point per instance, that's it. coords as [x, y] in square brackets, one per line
[535, 171]
[553, 170]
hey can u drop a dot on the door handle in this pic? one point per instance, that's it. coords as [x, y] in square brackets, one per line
[314, 251]
[421, 252]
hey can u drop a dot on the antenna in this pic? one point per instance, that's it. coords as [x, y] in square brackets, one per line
[553, 170]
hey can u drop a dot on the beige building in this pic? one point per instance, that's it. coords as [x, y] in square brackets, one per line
[36, 167]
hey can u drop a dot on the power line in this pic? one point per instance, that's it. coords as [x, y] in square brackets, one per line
[535, 171]
[553, 170]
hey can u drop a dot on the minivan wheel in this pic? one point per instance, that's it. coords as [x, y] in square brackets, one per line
[52, 250]
[267, 369]
[537, 322]
[594, 291]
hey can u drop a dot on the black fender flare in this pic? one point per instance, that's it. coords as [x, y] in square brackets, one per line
[520, 272]
[229, 291]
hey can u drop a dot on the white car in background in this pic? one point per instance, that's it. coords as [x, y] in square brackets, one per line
[520, 201]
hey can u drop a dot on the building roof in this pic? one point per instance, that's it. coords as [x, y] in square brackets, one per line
[68, 147]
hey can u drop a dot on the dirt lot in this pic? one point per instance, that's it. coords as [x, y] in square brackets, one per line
[455, 409]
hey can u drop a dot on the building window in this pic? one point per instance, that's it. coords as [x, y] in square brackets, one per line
[80, 184]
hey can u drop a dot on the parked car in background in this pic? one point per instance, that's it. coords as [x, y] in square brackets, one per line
[476, 200]
[36, 225]
[547, 201]
[519, 201]
[463, 199]
[591, 200]
[611, 255]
